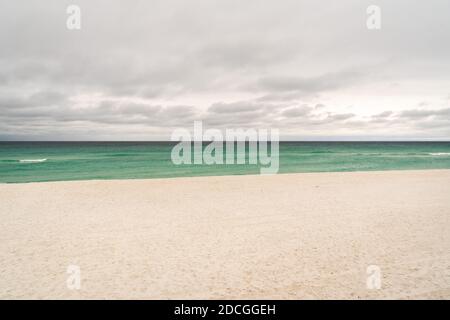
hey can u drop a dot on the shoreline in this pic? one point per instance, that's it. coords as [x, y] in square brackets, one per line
[231, 175]
[284, 236]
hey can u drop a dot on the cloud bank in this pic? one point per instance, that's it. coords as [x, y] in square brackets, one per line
[137, 70]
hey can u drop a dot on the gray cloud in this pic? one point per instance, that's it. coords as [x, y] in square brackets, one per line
[341, 116]
[422, 114]
[383, 115]
[311, 85]
[297, 111]
[142, 68]
[235, 107]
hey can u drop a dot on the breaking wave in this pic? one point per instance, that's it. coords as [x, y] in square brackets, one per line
[32, 160]
[439, 154]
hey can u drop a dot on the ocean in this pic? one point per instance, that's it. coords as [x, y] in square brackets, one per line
[63, 161]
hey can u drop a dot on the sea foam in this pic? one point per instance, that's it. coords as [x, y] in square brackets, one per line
[32, 160]
[439, 154]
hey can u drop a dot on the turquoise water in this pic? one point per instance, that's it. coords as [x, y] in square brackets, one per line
[129, 160]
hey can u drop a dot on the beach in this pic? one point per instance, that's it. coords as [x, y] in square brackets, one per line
[285, 236]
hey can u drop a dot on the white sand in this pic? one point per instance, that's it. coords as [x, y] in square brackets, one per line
[291, 236]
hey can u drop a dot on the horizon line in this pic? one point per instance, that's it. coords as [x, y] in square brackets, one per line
[143, 141]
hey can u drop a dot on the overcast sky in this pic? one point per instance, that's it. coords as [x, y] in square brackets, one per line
[136, 70]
